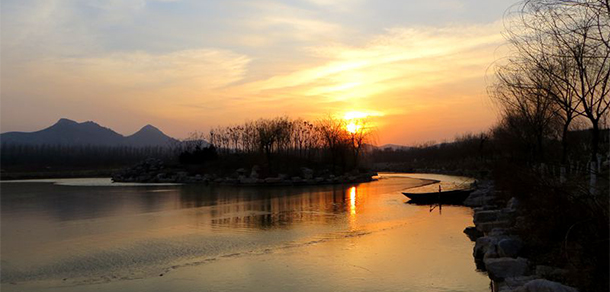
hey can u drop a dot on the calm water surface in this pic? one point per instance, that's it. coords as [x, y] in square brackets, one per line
[83, 235]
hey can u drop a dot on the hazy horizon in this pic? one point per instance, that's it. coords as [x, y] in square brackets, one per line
[187, 66]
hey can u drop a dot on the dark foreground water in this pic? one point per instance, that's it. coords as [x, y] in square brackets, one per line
[87, 236]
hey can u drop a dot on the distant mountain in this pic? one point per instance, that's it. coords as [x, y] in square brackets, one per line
[70, 133]
[149, 136]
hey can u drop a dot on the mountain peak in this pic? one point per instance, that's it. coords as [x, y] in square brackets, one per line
[64, 121]
[149, 135]
[150, 127]
[149, 130]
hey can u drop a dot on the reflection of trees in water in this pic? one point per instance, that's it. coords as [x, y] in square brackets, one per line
[268, 207]
[195, 196]
[227, 207]
[65, 203]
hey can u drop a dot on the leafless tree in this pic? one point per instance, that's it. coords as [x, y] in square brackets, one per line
[522, 91]
[333, 134]
[359, 135]
[294, 138]
[568, 41]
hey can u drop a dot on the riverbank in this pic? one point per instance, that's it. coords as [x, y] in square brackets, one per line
[500, 250]
[154, 171]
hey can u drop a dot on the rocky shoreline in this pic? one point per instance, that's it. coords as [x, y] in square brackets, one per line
[498, 250]
[154, 171]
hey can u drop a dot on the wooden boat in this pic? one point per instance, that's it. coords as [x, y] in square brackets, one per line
[446, 197]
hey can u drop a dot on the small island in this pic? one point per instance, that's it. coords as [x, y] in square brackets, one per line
[278, 151]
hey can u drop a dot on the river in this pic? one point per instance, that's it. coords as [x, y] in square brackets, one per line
[91, 235]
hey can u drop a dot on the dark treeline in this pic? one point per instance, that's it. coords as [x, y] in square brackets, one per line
[471, 154]
[281, 145]
[468, 154]
[48, 157]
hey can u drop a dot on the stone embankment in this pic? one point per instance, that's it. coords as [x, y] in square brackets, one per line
[499, 251]
[154, 171]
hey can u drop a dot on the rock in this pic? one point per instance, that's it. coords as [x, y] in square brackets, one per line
[241, 172]
[486, 216]
[488, 226]
[501, 268]
[273, 180]
[542, 285]
[515, 282]
[479, 192]
[507, 214]
[182, 177]
[255, 171]
[482, 245]
[511, 283]
[491, 253]
[486, 207]
[247, 180]
[498, 232]
[319, 180]
[307, 173]
[509, 247]
[231, 181]
[198, 177]
[479, 198]
[473, 233]
[513, 203]
[550, 272]
[296, 179]
[145, 171]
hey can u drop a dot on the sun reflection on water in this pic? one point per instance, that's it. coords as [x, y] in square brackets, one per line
[352, 201]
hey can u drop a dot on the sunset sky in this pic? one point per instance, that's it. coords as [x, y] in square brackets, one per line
[418, 67]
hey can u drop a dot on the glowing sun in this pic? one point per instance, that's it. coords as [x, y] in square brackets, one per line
[352, 127]
[355, 121]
